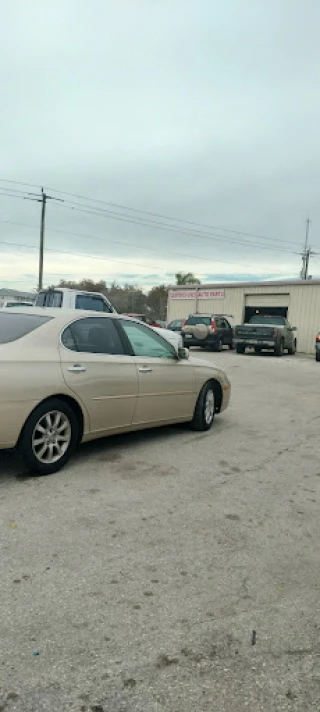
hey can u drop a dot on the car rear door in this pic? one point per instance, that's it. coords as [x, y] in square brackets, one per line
[166, 384]
[96, 367]
[227, 332]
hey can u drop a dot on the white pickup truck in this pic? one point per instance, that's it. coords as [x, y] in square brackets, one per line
[64, 298]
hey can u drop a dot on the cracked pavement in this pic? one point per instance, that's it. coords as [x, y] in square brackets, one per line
[133, 580]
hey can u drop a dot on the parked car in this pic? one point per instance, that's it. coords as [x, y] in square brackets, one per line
[273, 333]
[212, 331]
[67, 378]
[176, 325]
[146, 319]
[318, 347]
[64, 298]
[11, 305]
[174, 339]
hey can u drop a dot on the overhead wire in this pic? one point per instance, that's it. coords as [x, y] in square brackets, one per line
[154, 214]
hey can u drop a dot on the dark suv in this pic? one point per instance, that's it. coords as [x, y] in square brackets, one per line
[211, 331]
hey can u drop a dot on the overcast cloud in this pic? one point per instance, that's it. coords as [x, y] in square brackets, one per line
[203, 110]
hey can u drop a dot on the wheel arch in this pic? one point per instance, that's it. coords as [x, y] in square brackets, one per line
[72, 402]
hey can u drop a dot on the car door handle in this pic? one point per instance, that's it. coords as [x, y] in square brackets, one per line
[145, 369]
[77, 368]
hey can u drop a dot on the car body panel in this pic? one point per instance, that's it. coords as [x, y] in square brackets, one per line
[108, 386]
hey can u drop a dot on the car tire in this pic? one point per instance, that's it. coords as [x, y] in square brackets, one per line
[317, 355]
[56, 423]
[293, 350]
[240, 349]
[258, 349]
[231, 347]
[205, 408]
[279, 348]
[218, 346]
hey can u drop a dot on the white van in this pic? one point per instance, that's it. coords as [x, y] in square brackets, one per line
[64, 298]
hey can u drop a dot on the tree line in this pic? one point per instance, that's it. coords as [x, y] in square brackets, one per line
[130, 299]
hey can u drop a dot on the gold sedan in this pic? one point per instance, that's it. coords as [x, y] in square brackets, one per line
[68, 377]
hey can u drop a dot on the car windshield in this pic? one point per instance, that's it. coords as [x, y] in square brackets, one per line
[274, 320]
[14, 326]
[193, 320]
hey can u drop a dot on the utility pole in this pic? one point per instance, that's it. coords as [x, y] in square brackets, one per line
[43, 201]
[306, 252]
[42, 226]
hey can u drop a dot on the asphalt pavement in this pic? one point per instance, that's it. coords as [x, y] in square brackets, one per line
[172, 571]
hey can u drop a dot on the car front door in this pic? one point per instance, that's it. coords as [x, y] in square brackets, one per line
[166, 384]
[97, 369]
[227, 332]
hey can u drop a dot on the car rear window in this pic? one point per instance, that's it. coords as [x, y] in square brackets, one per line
[49, 299]
[193, 320]
[15, 326]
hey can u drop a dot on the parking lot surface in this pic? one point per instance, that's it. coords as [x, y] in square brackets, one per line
[172, 571]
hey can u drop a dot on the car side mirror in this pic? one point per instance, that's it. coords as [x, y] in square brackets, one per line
[293, 328]
[183, 354]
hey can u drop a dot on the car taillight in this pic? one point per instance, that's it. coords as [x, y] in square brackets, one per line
[184, 323]
[213, 325]
[318, 338]
[275, 333]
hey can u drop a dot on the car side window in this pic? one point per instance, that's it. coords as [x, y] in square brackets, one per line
[225, 324]
[145, 342]
[94, 335]
[91, 303]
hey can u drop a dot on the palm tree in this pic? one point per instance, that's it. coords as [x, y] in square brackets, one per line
[187, 278]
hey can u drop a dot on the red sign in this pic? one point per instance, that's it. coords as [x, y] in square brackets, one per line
[192, 294]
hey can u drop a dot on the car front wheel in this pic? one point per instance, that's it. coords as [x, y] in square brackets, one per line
[205, 408]
[49, 437]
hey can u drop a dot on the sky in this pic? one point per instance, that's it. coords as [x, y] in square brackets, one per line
[189, 129]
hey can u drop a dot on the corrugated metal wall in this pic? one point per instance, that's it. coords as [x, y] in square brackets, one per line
[304, 307]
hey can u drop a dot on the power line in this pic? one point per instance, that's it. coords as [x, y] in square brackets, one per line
[174, 229]
[77, 207]
[118, 242]
[159, 215]
[105, 259]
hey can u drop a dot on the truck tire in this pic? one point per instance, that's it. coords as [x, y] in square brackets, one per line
[279, 349]
[240, 349]
[293, 349]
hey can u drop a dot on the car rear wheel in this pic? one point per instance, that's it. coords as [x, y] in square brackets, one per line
[49, 437]
[218, 346]
[205, 408]
[293, 349]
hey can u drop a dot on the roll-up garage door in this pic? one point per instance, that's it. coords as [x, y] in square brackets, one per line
[267, 300]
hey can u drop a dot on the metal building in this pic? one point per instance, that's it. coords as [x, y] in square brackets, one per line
[298, 300]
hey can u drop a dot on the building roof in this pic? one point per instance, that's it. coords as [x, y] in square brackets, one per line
[232, 285]
[4, 292]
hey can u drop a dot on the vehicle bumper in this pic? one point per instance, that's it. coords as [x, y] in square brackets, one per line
[264, 344]
[210, 340]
